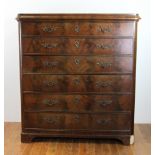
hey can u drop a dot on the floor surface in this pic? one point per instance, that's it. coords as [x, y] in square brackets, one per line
[13, 146]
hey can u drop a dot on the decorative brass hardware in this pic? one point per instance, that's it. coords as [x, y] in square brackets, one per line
[76, 117]
[51, 120]
[50, 64]
[103, 122]
[49, 28]
[77, 28]
[77, 44]
[103, 83]
[77, 81]
[77, 61]
[48, 45]
[50, 102]
[49, 83]
[88, 80]
[76, 100]
[104, 102]
[102, 46]
[104, 29]
[104, 64]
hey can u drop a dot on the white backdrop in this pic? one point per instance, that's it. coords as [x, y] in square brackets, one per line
[13, 7]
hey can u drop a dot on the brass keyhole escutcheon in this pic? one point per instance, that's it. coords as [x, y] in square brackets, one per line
[77, 28]
[76, 100]
[77, 61]
[77, 81]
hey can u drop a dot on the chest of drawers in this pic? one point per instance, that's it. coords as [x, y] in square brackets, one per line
[78, 75]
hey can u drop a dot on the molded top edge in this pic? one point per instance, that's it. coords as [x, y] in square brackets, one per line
[23, 17]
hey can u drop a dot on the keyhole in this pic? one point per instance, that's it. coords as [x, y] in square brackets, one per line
[77, 28]
[77, 61]
[77, 81]
[76, 100]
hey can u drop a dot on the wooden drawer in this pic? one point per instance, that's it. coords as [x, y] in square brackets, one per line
[78, 83]
[76, 103]
[51, 121]
[78, 28]
[119, 121]
[72, 46]
[77, 64]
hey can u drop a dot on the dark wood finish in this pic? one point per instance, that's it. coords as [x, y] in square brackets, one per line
[26, 138]
[63, 46]
[59, 121]
[78, 75]
[76, 103]
[76, 28]
[78, 83]
[60, 17]
[77, 64]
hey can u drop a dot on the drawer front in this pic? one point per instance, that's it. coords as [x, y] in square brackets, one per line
[72, 46]
[78, 83]
[78, 28]
[111, 121]
[77, 64]
[77, 103]
[61, 121]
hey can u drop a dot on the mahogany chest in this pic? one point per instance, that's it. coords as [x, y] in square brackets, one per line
[77, 75]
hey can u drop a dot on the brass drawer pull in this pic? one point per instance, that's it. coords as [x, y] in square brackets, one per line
[49, 45]
[104, 29]
[49, 83]
[104, 65]
[104, 102]
[103, 122]
[104, 84]
[77, 44]
[51, 120]
[76, 100]
[49, 28]
[50, 64]
[102, 46]
[50, 102]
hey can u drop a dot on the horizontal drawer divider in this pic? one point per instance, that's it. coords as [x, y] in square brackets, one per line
[99, 130]
[67, 55]
[127, 73]
[72, 112]
[89, 55]
[80, 36]
[78, 93]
